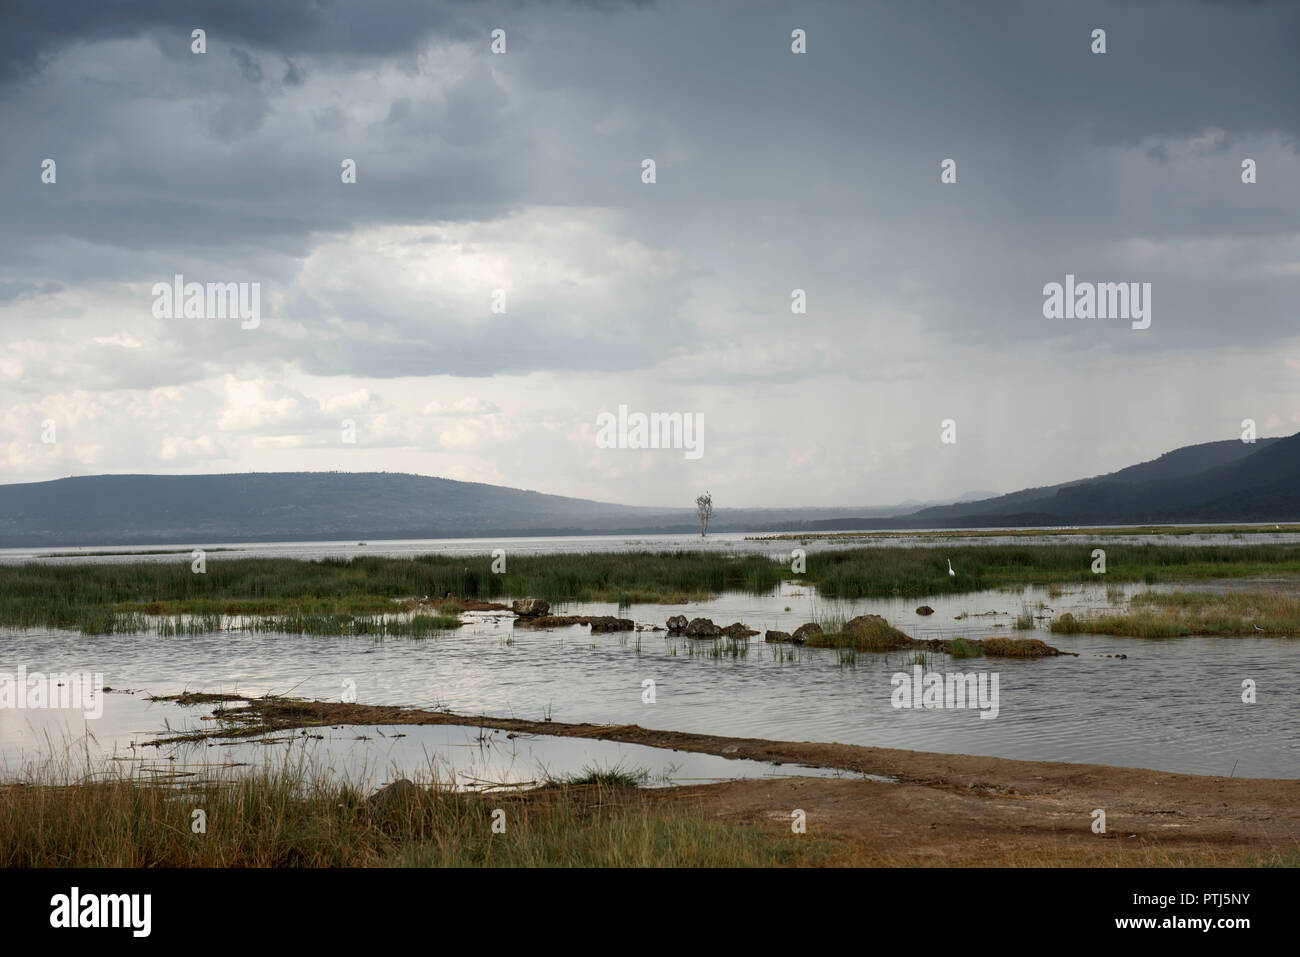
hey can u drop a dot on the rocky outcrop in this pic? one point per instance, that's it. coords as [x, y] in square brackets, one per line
[530, 607]
[804, 632]
[610, 623]
[873, 633]
[865, 621]
[702, 628]
[705, 628]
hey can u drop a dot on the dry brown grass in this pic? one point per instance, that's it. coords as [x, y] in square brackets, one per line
[286, 820]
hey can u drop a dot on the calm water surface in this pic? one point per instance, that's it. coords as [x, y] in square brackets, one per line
[1172, 705]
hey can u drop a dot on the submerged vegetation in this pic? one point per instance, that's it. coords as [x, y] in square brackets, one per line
[359, 595]
[1184, 613]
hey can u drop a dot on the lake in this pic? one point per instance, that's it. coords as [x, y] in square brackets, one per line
[1172, 704]
[737, 542]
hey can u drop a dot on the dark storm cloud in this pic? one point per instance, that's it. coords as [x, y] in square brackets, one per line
[36, 30]
[774, 170]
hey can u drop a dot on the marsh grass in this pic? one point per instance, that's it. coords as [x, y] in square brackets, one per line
[114, 598]
[618, 776]
[961, 648]
[1185, 613]
[728, 647]
[1025, 620]
[378, 626]
[283, 819]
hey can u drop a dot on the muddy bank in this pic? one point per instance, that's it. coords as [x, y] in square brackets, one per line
[264, 715]
[944, 808]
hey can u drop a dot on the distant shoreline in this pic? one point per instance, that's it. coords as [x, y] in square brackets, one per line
[378, 544]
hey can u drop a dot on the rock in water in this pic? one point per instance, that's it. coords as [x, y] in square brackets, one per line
[702, 628]
[530, 607]
[804, 632]
[603, 623]
[677, 624]
[873, 633]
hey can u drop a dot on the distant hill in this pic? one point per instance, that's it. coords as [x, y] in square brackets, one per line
[1227, 481]
[1213, 482]
[323, 506]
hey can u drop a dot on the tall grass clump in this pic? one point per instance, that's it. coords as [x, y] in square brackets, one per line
[1184, 613]
[962, 648]
[617, 776]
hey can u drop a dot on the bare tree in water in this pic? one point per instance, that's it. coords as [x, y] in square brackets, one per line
[704, 509]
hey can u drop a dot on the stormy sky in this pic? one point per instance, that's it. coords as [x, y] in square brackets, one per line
[522, 172]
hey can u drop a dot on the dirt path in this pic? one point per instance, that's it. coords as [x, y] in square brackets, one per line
[944, 808]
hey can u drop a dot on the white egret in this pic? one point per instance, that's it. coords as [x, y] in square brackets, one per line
[950, 571]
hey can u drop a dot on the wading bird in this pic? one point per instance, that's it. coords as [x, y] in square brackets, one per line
[950, 571]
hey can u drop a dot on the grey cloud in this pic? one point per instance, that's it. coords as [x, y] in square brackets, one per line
[14, 291]
[36, 30]
[248, 67]
[774, 170]
[293, 76]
